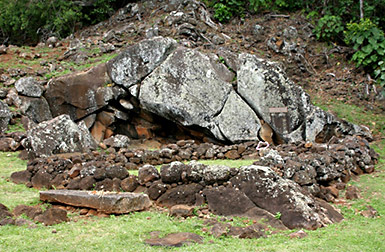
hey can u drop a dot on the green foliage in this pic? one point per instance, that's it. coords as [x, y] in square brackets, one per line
[224, 10]
[256, 5]
[28, 20]
[329, 28]
[369, 42]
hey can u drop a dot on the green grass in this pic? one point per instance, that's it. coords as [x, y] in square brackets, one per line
[355, 114]
[11, 194]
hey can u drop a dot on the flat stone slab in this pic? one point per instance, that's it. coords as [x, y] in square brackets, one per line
[108, 202]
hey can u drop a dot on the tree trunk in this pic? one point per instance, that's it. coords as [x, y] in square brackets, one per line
[361, 9]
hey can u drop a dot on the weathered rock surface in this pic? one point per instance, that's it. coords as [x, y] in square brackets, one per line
[80, 94]
[284, 105]
[117, 141]
[5, 116]
[36, 109]
[28, 86]
[108, 202]
[59, 135]
[187, 88]
[139, 60]
[267, 190]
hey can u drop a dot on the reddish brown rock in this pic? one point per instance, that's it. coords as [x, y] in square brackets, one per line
[130, 183]
[183, 194]
[175, 240]
[52, 216]
[299, 234]
[42, 179]
[156, 189]
[29, 211]
[98, 131]
[147, 173]
[108, 202]
[181, 211]
[249, 232]
[79, 94]
[352, 192]
[21, 177]
[232, 154]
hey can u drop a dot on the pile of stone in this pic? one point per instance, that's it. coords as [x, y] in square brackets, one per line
[322, 169]
[12, 141]
[48, 217]
[308, 169]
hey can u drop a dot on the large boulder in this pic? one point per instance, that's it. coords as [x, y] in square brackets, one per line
[80, 94]
[188, 89]
[297, 208]
[139, 60]
[285, 106]
[5, 116]
[59, 135]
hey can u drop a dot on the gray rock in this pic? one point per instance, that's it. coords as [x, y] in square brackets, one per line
[195, 171]
[185, 89]
[297, 208]
[59, 135]
[216, 173]
[264, 85]
[139, 60]
[118, 141]
[5, 116]
[28, 86]
[171, 173]
[108, 202]
[36, 109]
[284, 105]
[235, 111]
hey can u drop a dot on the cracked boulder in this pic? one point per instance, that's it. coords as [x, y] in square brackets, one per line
[188, 89]
[59, 135]
[139, 60]
[285, 106]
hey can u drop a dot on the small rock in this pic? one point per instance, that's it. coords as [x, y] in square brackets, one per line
[220, 229]
[370, 212]
[352, 192]
[299, 234]
[175, 240]
[52, 216]
[181, 211]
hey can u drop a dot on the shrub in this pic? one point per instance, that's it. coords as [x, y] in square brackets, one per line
[329, 28]
[369, 42]
[224, 10]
